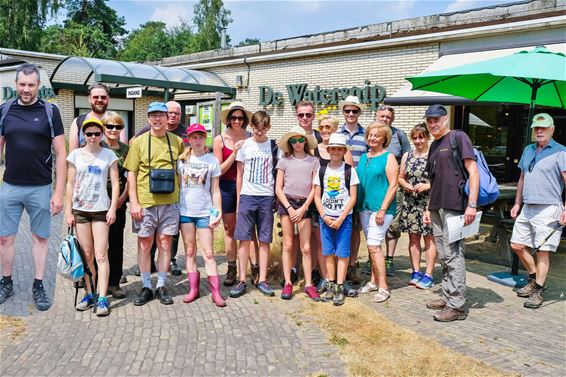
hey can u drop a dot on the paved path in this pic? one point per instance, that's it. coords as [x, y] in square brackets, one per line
[258, 336]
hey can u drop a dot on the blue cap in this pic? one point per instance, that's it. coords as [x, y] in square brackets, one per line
[157, 106]
[435, 111]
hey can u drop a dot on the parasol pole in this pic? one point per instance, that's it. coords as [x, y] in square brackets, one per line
[528, 132]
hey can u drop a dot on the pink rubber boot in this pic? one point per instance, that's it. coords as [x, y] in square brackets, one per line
[194, 280]
[214, 282]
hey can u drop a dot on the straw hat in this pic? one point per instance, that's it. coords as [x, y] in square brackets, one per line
[296, 131]
[338, 140]
[351, 101]
[236, 105]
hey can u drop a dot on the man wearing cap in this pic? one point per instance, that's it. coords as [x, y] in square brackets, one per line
[29, 132]
[399, 145]
[154, 198]
[174, 126]
[355, 138]
[540, 188]
[446, 200]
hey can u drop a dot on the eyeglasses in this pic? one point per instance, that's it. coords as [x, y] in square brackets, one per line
[91, 134]
[384, 107]
[114, 127]
[103, 98]
[351, 111]
[304, 115]
[296, 140]
[532, 164]
[325, 127]
[236, 118]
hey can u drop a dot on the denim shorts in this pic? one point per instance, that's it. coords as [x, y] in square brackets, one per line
[229, 195]
[200, 222]
[34, 199]
[336, 241]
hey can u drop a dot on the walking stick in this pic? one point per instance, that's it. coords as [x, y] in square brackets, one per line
[536, 249]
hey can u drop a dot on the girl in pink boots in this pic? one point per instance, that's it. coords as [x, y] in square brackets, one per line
[200, 202]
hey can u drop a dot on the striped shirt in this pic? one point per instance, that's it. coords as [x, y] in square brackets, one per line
[356, 141]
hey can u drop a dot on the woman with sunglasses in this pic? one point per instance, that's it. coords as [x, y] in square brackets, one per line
[295, 191]
[89, 208]
[113, 126]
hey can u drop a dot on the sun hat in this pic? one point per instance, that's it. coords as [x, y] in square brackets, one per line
[296, 131]
[351, 101]
[195, 127]
[92, 122]
[236, 105]
[435, 111]
[542, 120]
[157, 106]
[337, 140]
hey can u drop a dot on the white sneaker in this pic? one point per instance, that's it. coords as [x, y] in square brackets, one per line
[368, 287]
[381, 295]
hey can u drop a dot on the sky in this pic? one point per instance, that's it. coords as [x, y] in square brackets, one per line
[278, 19]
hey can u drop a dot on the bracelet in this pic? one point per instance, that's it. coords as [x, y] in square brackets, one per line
[287, 208]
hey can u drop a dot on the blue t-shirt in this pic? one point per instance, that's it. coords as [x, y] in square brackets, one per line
[373, 184]
[543, 182]
[28, 144]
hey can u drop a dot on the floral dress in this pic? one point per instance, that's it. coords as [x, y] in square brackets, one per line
[414, 204]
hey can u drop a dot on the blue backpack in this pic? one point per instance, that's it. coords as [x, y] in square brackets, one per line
[70, 263]
[488, 190]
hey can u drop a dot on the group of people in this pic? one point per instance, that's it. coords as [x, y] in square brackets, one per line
[326, 185]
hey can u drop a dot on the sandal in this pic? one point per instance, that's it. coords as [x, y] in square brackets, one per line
[381, 296]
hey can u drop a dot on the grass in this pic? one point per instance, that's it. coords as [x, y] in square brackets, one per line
[372, 345]
[12, 327]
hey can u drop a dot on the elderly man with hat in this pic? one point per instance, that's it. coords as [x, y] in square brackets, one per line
[154, 198]
[446, 201]
[540, 188]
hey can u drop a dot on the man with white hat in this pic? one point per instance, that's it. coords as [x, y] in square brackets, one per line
[540, 187]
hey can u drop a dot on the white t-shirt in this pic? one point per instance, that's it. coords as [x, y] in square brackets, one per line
[196, 174]
[335, 195]
[258, 168]
[90, 192]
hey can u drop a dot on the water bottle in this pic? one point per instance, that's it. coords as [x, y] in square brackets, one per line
[213, 216]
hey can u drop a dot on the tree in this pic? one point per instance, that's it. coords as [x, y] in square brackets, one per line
[75, 39]
[210, 17]
[150, 42]
[249, 42]
[22, 21]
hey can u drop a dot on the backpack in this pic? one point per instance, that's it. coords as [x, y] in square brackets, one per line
[48, 110]
[488, 189]
[70, 264]
[347, 176]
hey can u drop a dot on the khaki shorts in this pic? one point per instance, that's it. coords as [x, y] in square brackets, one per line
[535, 223]
[163, 219]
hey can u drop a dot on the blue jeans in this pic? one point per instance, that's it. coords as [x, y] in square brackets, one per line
[336, 241]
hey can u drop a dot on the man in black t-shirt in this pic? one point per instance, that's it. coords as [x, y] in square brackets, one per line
[28, 135]
[446, 200]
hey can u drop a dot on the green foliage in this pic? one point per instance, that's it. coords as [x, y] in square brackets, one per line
[150, 42]
[76, 39]
[210, 18]
[249, 42]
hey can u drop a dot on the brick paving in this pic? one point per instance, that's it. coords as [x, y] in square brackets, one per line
[259, 336]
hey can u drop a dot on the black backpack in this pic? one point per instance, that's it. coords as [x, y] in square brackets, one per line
[48, 110]
[347, 176]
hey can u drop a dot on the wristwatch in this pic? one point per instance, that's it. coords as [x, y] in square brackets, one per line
[472, 205]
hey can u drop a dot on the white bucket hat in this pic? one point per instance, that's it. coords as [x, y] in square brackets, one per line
[338, 140]
[236, 105]
[296, 131]
[351, 101]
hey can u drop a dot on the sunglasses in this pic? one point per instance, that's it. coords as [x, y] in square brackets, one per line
[295, 140]
[91, 134]
[532, 164]
[114, 127]
[325, 127]
[235, 118]
[351, 111]
[304, 115]
[103, 98]
[383, 107]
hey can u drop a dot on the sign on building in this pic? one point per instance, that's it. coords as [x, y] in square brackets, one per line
[135, 92]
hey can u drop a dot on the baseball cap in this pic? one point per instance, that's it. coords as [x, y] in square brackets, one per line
[92, 122]
[435, 111]
[542, 120]
[195, 127]
[157, 106]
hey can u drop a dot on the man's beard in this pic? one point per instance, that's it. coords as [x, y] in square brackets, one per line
[99, 109]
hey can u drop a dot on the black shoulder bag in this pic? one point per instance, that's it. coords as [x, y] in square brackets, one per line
[161, 181]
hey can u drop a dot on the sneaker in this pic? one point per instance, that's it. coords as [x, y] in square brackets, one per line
[116, 291]
[230, 277]
[123, 279]
[255, 274]
[322, 286]
[311, 292]
[287, 292]
[415, 277]
[436, 304]
[426, 282]
[174, 269]
[6, 289]
[265, 289]
[367, 268]
[448, 314]
[145, 296]
[349, 291]
[86, 303]
[389, 267]
[102, 309]
[382, 295]
[535, 299]
[351, 275]
[368, 287]
[40, 297]
[238, 290]
[163, 296]
[329, 293]
[528, 289]
[338, 295]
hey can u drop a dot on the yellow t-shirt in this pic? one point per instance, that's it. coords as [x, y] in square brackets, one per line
[138, 161]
